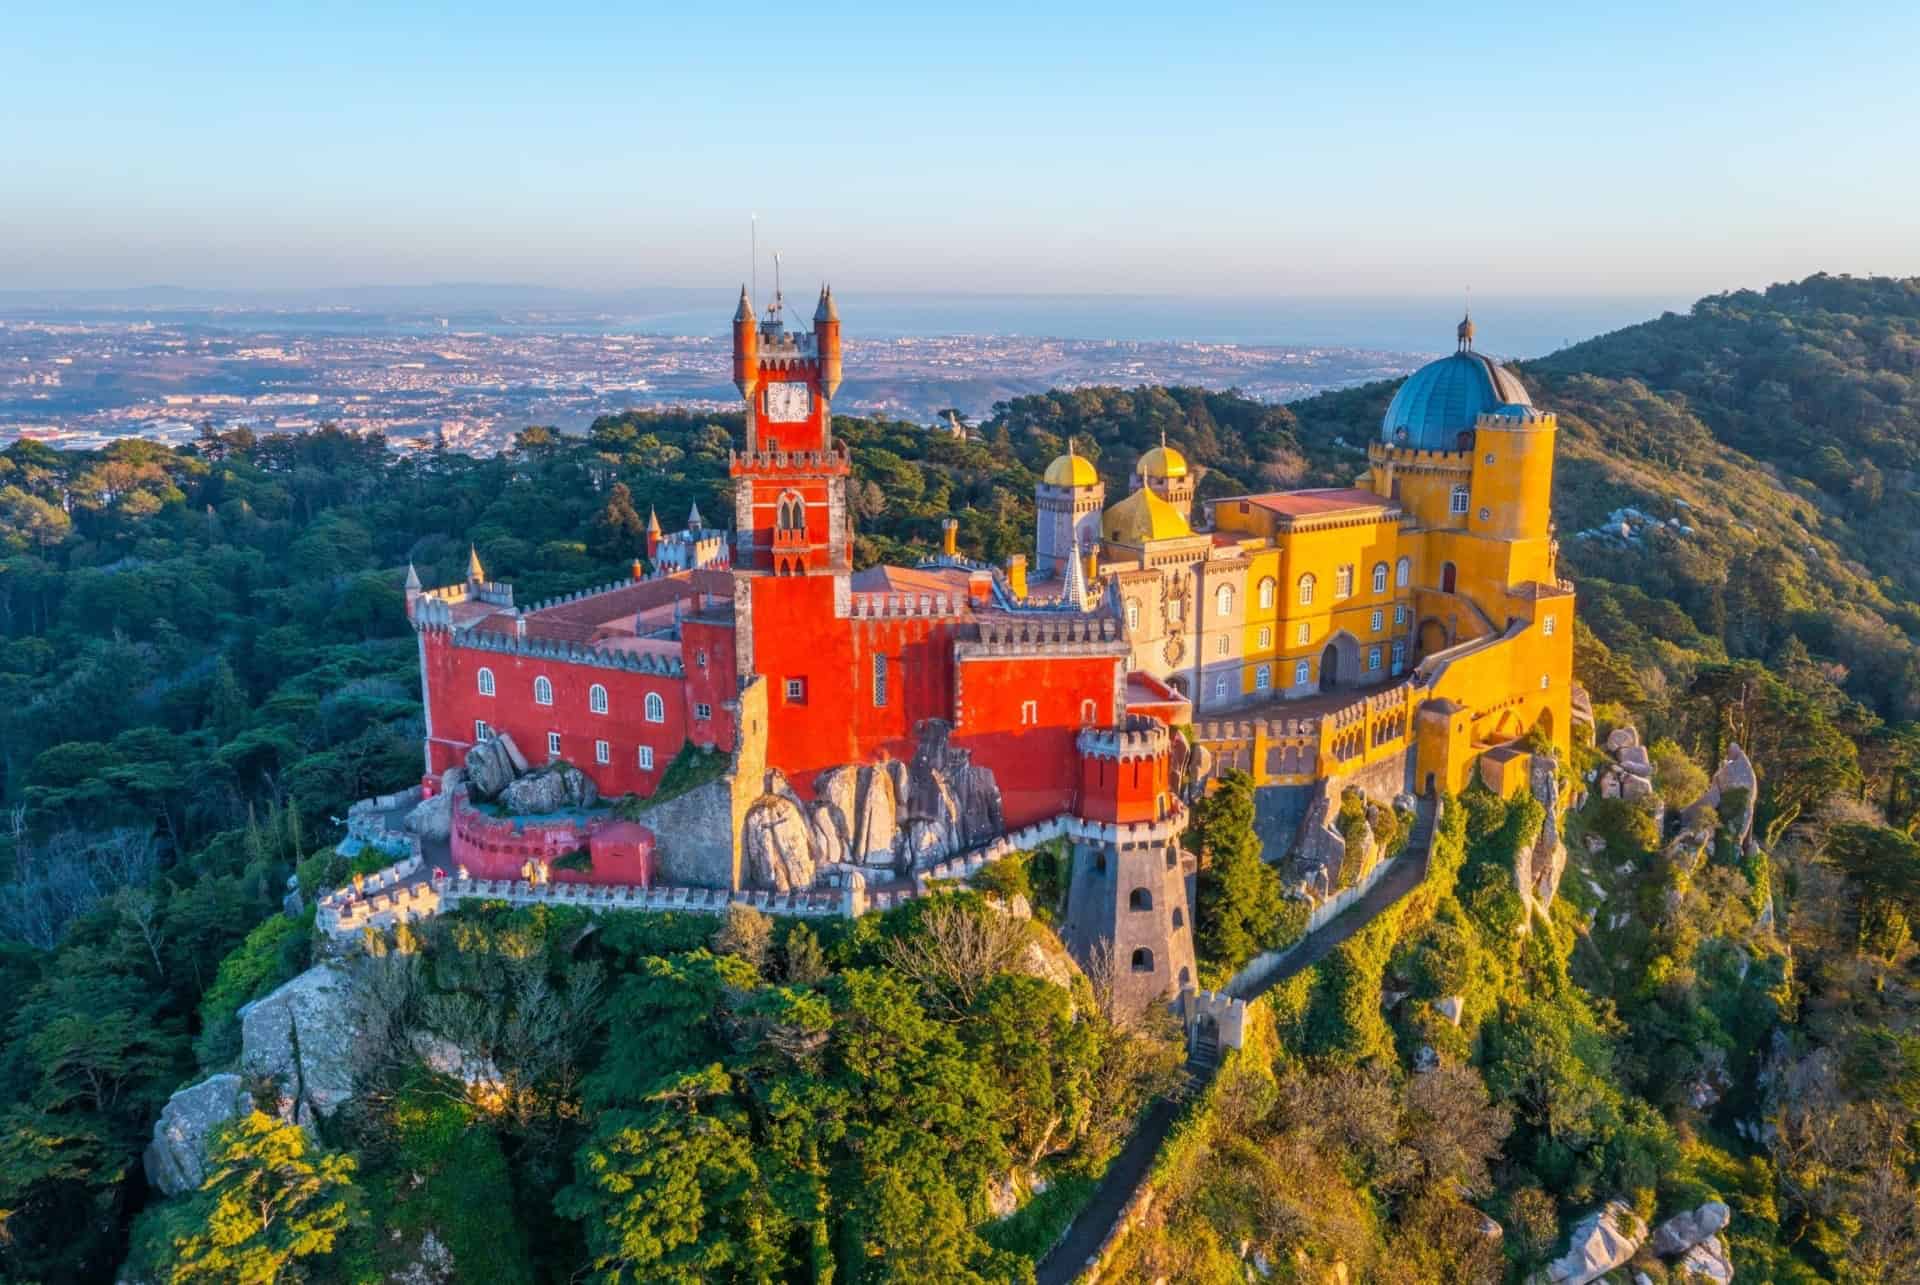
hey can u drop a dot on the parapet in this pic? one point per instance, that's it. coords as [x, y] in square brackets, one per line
[1137, 737]
[1229, 1015]
[828, 461]
[570, 653]
[1047, 634]
[904, 606]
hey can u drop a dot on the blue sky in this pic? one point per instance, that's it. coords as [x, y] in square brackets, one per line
[1208, 149]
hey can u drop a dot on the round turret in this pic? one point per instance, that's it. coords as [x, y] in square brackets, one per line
[1438, 405]
[746, 347]
[826, 336]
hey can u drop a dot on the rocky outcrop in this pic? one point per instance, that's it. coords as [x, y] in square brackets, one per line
[433, 818]
[1707, 1261]
[1683, 1231]
[1314, 871]
[778, 844]
[445, 1057]
[1537, 869]
[176, 1159]
[302, 1037]
[1735, 776]
[493, 764]
[553, 788]
[1600, 1242]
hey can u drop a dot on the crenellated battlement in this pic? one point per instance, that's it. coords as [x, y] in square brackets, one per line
[1138, 737]
[566, 652]
[1273, 729]
[1053, 634]
[905, 606]
[833, 462]
[1419, 458]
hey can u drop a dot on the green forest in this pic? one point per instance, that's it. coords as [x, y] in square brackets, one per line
[204, 660]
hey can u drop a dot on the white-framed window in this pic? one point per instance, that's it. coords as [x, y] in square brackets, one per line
[1262, 678]
[1223, 600]
[702, 711]
[1220, 687]
[1176, 609]
[879, 679]
[1399, 615]
[542, 691]
[1133, 615]
[1459, 502]
[1343, 583]
[597, 699]
[656, 708]
[480, 730]
[1373, 658]
[1303, 634]
[602, 752]
[485, 679]
[1403, 572]
[1378, 620]
[646, 758]
[796, 691]
[1307, 583]
[1268, 590]
[1546, 626]
[1302, 673]
[1220, 645]
[1379, 577]
[1399, 654]
[553, 745]
[1266, 636]
[1546, 681]
[1029, 713]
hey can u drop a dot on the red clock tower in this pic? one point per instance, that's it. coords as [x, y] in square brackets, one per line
[789, 484]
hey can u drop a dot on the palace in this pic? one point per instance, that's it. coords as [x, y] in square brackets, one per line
[881, 723]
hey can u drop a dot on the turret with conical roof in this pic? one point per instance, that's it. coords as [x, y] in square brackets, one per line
[746, 347]
[653, 534]
[476, 574]
[826, 338]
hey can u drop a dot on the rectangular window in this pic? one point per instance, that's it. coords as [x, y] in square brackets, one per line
[1302, 673]
[1304, 633]
[1220, 688]
[1400, 615]
[796, 691]
[1220, 645]
[602, 752]
[1399, 655]
[1459, 499]
[1266, 636]
[702, 711]
[480, 729]
[1379, 620]
[700, 657]
[646, 758]
[1029, 713]
[553, 744]
[879, 680]
[1547, 627]
[1373, 658]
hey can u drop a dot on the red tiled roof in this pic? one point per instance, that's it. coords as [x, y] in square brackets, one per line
[1316, 503]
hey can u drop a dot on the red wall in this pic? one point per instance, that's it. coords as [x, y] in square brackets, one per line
[809, 434]
[1037, 765]
[452, 679]
[1123, 790]
[713, 684]
[499, 847]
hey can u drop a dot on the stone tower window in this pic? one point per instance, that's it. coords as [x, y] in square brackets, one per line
[1142, 960]
[1140, 899]
[1179, 918]
[542, 691]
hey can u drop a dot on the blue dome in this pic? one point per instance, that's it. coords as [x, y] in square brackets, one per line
[1442, 399]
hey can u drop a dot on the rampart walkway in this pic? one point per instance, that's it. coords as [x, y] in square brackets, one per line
[1090, 1231]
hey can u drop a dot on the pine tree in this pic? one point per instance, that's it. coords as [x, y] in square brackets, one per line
[227, 707]
[619, 531]
[270, 1200]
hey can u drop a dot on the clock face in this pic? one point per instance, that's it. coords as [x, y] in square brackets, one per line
[788, 402]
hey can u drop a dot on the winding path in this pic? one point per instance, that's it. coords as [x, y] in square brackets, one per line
[1089, 1230]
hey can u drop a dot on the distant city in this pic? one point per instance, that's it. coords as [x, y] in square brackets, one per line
[79, 372]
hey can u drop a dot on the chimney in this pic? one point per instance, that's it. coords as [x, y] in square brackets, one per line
[1017, 575]
[950, 537]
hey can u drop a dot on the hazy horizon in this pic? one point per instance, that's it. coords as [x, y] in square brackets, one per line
[1237, 151]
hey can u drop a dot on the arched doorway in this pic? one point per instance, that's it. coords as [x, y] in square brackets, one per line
[1433, 637]
[1447, 577]
[1340, 662]
[1544, 724]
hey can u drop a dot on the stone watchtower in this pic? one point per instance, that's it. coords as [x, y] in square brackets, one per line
[1067, 505]
[1129, 884]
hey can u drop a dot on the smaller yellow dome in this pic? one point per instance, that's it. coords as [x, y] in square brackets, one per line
[1162, 461]
[1141, 517]
[1072, 470]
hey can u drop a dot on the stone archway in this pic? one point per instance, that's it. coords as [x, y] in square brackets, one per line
[1432, 637]
[1340, 662]
[1544, 724]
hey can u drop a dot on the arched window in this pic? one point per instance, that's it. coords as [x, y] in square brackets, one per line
[1343, 583]
[1262, 678]
[1267, 588]
[1379, 577]
[1306, 589]
[1459, 502]
[791, 515]
[1142, 960]
[597, 699]
[1403, 572]
[1088, 713]
[656, 708]
[1140, 899]
[486, 681]
[1179, 918]
[542, 691]
[1133, 614]
[1223, 600]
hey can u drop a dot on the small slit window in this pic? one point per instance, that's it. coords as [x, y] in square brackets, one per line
[879, 680]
